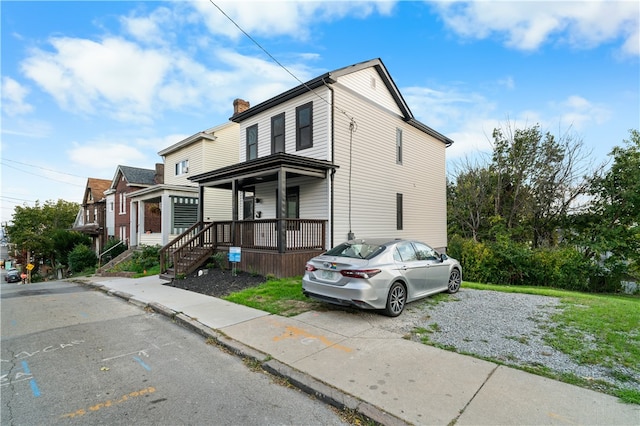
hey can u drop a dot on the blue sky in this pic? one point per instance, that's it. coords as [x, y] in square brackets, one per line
[90, 85]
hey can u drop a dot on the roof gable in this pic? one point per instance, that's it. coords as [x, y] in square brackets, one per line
[95, 189]
[331, 78]
[134, 176]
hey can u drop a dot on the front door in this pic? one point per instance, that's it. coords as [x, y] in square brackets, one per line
[248, 215]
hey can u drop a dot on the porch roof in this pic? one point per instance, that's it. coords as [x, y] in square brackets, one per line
[264, 169]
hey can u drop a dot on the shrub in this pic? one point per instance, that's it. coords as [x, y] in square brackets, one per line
[218, 260]
[81, 258]
[511, 263]
[116, 248]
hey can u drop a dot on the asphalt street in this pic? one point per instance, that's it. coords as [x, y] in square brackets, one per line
[71, 355]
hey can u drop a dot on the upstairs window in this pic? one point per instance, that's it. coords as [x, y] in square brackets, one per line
[123, 203]
[399, 212]
[277, 133]
[398, 146]
[304, 126]
[252, 142]
[182, 167]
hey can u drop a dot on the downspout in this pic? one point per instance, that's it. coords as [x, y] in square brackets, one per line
[333, 170]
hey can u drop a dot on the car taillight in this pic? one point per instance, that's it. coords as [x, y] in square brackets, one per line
[310, 268]
[360, 273]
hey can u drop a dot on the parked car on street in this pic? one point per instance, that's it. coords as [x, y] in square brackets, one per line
[12, 276]
[380, 274]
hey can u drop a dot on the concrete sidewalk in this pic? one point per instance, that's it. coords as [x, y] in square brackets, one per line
[353, 364]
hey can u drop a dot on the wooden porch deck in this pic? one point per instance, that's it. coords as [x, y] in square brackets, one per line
[278, 247]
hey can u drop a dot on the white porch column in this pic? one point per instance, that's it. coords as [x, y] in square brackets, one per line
[133, 223]
[166, 218]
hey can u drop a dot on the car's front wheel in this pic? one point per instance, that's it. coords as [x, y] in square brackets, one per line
[396, 300]
[455, 279]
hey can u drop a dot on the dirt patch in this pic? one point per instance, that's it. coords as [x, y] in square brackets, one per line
[217, 282]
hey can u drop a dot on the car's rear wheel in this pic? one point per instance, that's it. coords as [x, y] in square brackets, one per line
[455, 279]
[396, 300]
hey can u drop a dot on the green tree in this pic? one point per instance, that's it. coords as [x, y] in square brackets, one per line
[34, 229]
[539, 179]
[609, 232]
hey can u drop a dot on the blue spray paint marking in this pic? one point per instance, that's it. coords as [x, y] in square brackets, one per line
[146, 367]
[82, 314]
[32, 382]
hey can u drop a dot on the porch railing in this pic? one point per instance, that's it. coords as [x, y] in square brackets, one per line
[199, 234]
[300, 234]
[274, 235]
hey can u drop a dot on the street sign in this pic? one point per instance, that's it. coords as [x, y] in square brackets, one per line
[30, 267]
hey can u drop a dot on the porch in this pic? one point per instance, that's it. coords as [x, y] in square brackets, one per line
[278, 247]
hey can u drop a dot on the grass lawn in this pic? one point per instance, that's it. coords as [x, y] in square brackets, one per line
[601, 329]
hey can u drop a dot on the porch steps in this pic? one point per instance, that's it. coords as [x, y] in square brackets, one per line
[190, 260]
[122, 257]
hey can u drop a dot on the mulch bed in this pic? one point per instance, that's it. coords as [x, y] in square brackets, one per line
[217, 282]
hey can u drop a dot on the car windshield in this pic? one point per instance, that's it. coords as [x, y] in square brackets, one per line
[356, 250]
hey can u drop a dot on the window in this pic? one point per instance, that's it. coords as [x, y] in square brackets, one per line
[277, 133]
[398, 146]
[304, 126]
[182, 167]
[399, 212]
[123, 203]
[110, 206]
[424, 252]
[292, 206]
[293, 202]
[252, 142]
[405, 253]
[185, 213]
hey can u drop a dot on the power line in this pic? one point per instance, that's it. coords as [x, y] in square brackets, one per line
[45, 177]
[279, 64]
[39, 167]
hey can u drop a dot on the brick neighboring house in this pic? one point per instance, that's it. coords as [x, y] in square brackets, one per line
[91, 219]
[125, 181]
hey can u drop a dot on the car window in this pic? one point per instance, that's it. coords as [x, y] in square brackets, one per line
[357, 251]
[406, 252]
[424, 252]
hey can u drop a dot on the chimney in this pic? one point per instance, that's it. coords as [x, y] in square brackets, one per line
[159, 176]
[240, 105]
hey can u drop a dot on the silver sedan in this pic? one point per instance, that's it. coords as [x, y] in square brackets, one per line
[380, 274]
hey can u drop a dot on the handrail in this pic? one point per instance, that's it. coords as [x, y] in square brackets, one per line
[107, 251]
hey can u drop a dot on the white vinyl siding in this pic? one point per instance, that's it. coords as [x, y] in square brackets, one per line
[206, 155]
[360, 83]
[321, 127]
[313, 198]
[192, 152]
[376, 178]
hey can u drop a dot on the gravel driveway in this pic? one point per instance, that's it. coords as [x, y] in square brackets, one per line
[503, 326]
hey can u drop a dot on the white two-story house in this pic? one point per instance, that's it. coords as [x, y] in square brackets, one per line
[338, 157]
[177, 200]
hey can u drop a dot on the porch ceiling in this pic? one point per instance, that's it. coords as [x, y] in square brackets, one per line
[264, 169]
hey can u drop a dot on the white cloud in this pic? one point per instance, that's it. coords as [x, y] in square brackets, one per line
[469, 118]
[579, 113]
[86, 76]
[291, 18]
[13, 98]
[103, 158]
[527, 25]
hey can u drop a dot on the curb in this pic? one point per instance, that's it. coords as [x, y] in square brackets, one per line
[317, 389]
